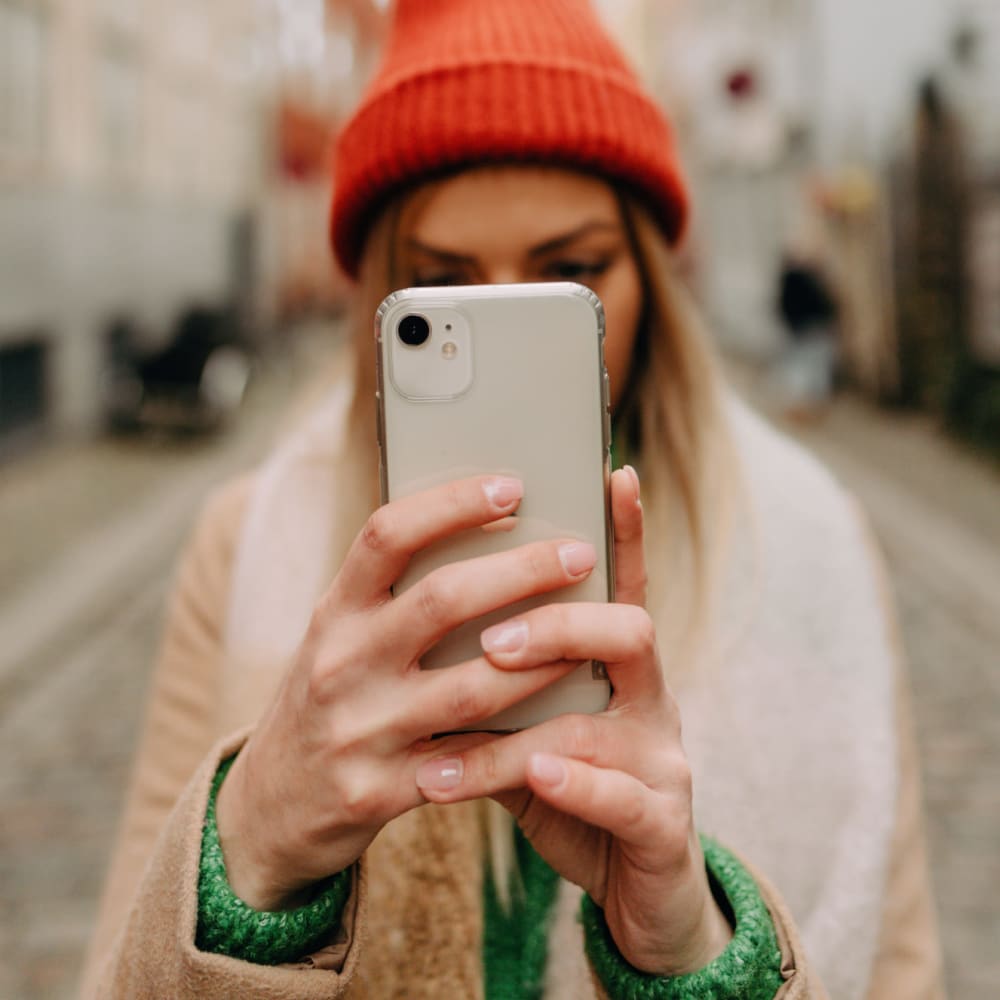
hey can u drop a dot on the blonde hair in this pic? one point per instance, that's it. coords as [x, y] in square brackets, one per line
[672, 420]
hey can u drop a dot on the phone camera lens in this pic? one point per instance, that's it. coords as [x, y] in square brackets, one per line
[414, 330]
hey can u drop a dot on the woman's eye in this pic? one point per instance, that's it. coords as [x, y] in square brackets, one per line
[441, 278]
[575, 270]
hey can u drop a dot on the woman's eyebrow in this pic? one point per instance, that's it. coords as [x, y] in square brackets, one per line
[449, 255]
[538, 250]
[564, 240]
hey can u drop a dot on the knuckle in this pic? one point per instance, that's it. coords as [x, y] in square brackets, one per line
[683, 779]
[562, 617]
[323, 680]
[552, 631]
[482, 768]
[454, 498]
[331, 660]
[490, 766]
[361, 801]
[468, 703]
[318, 684]
[537, 563]
[437, 596]
[642, 630]
[634, 808]
[581, 737]
[379, 532]
[629, 529]
[544, 563]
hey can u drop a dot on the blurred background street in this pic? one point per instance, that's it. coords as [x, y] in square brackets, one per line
[167, 295]
[91, 534]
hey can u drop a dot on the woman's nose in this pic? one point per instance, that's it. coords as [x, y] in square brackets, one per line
[504, 276]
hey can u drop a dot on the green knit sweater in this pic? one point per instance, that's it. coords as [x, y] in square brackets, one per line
[515, 940]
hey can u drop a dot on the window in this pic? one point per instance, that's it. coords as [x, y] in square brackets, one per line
[23, 44]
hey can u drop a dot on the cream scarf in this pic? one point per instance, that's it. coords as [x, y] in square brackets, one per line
[791, 736]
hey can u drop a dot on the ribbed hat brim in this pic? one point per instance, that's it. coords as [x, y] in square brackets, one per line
[568, 114]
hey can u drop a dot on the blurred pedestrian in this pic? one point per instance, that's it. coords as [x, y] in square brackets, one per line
[805, 371]
[291, 831]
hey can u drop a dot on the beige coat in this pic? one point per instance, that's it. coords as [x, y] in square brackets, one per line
[414, 921]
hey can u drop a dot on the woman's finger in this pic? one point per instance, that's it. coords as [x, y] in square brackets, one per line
[621, 636]
[501, 765]
[459, 697]
[463, 591]
[608, 799]
[626, 515]
[397, 530]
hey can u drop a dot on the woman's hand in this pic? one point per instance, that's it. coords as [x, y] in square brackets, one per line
[605, 799]
[336, 756]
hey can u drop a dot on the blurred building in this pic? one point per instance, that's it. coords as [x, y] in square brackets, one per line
[158, 158]
[947, 191]
[326, 50]
[789, 116]
[130, 170]
[738, 78]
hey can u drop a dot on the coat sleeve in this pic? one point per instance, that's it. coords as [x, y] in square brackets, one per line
[799, 980]
[154, 954]
[801, 983]
[144, 933]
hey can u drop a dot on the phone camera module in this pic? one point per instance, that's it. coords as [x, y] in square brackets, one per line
[414, 331]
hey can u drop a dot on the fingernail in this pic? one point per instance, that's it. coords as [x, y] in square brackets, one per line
[440, 775]
[577, 557]
[503, 491]
[547, 769]
[635, 480]
[504, 638]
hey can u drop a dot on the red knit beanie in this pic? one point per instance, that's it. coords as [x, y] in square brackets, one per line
[466, 82]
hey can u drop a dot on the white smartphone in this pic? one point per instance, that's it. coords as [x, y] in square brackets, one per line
[507, 380]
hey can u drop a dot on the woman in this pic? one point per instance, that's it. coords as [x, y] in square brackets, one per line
[311, 842]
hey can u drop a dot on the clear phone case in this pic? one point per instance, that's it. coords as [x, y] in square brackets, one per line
[510, 380]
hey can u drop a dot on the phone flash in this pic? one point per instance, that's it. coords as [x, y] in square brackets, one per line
[448, 350]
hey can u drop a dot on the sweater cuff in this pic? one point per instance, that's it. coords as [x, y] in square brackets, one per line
[228, 926]
[749, 968]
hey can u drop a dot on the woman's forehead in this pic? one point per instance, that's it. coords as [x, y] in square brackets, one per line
[522, 205]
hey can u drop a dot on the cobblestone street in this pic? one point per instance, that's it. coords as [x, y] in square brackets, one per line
[89, 537]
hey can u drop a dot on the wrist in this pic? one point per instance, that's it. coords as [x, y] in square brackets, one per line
[686, 935]
[254, 874]
[750, 966]
[666, 954]
[713, 937]
[227, 925]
